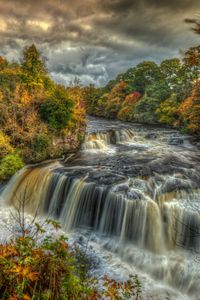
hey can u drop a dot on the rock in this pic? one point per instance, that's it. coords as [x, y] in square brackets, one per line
[133, 195]
[175, 141]
[121, 187]
[176, 184]
[151, 136]
[198, 145]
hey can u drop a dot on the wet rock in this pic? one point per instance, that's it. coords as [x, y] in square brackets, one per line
[176, 184]
[133, 195]
[175, 141]
[121, 187]
[151, 136]
[169, 165]
[113, 139]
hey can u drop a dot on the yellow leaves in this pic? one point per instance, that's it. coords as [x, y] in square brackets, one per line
[25, 297]
[22, 95]
[7, 251]
[33, 276]
[37, 253]
[25, 97]
[189, 110]
[5, 147]
[14, 297]
[25, 272]
[64, 245]
[1, 96]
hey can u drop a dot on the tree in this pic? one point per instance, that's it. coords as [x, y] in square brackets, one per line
[167, 112]
[115, 99]
[146, 73]
[32, 62]
[57, 109]
[158, 90]
[34, 70]
[145, 110]
[189, 111]
[192, 56]
[178, 76]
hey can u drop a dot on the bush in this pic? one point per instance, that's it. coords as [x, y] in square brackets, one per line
[9, 165]
[40, 143]
[54, 270]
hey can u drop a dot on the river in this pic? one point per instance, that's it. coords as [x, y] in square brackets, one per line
[134, 191]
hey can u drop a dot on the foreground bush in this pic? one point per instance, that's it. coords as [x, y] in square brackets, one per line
[52, 269]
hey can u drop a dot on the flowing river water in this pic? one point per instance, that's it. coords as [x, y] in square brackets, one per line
[134, 190]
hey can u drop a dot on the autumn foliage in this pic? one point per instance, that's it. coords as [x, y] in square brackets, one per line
[39, 119]
[189, 110]
[149, 93]
[51, 268]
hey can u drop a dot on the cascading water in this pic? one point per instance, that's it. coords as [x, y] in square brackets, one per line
[140, 200]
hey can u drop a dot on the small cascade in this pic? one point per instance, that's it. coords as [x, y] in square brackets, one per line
[103, 140]
[96, 141]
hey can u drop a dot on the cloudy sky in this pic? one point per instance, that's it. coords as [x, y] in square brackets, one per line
[96, 39]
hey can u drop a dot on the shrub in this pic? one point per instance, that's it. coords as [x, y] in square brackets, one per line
[40, 143]
[52, 269]
[9, 165]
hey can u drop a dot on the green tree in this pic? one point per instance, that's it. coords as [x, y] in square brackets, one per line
[32, 62]
[158, 90]
[145, 110]
[146, 73]
[167, 112]
[57, 109]
[34, 70]
[179, 77]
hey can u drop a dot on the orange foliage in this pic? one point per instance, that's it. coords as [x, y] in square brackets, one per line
[189, 110]
[132, 98]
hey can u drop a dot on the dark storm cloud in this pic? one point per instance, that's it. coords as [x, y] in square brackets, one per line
[96, 39]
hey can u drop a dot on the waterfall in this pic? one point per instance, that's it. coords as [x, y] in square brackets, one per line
[152, 225]
[102, 140]
[142, 204]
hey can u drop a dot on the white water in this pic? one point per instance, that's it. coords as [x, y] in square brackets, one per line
[137, 196]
